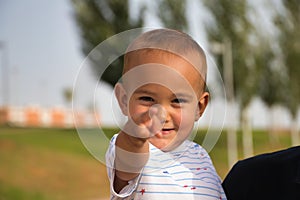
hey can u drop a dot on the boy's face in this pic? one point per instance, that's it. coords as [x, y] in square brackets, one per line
[172, 83]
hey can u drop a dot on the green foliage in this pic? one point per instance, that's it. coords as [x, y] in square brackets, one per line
[231, 23]
[271, 75]
[172, 14]
[272, 80]
[97, 21]
[288, 24]
[68, 94]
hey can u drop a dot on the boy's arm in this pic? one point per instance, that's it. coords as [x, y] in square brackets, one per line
[132, 154]
[132, 146]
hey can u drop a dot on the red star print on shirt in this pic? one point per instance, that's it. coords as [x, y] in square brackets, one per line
[143, 191]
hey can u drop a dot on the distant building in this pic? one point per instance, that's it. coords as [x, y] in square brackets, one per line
[35, 116]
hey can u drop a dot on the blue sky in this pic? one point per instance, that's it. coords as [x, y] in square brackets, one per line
[43, 50]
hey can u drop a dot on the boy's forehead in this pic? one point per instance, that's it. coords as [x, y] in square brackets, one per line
[172, 59]
[161, 67]
[159, 74]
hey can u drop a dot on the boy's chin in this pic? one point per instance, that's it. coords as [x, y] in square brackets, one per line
[160, 143]
[168, 146]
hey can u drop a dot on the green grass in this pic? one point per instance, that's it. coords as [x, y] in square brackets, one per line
[42, 164]
[8, 192]
[54, 139]
[60, 140]
[49, 164]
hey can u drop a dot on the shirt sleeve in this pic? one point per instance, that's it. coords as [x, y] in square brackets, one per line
[132, 184]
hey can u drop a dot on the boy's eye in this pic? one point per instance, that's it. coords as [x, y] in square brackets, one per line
[147, 99]
[179, 100]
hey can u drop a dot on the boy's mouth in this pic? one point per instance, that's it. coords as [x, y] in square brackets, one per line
[167, 130]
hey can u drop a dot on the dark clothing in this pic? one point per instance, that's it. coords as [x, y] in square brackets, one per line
[267, 176]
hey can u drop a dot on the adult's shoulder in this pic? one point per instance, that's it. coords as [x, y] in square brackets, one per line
[270, 174]
[278, 157]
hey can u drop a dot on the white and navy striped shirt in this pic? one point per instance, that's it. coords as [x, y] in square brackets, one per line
[184, 173]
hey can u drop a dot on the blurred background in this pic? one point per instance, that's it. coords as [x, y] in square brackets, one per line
[254, 44]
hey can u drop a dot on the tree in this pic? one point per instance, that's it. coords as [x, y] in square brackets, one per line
[68, 95]
[97, 21]
[271, 83]
[172, 14]
[288, 25]
[233, 29]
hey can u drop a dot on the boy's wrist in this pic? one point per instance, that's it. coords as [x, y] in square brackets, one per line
[131, 156]
[134, 142]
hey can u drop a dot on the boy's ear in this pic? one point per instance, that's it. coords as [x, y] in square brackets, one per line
[121, 96]
[203, 101]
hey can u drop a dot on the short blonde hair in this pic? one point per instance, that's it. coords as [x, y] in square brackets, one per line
[172, 41]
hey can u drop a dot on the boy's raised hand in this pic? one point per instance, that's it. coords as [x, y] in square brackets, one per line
[146, 124]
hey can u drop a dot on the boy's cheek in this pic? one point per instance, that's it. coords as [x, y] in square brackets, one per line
[137, 113]
[187, 117]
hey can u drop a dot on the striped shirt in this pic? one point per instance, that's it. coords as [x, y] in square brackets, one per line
[184, 173]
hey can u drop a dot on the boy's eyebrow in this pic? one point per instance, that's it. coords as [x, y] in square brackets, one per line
[142, 91]
[182, 94]
[179, 94]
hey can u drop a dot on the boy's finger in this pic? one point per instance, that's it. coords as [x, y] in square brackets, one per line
[149, 123]
[146, 118]
[157, 115]
[156, 125]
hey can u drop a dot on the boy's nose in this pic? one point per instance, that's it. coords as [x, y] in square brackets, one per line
[158, 111]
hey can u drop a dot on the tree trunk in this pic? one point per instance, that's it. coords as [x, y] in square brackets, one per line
[273, 137]
[247, 133]
[231, 137]
[232, 146]
[294, 132]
